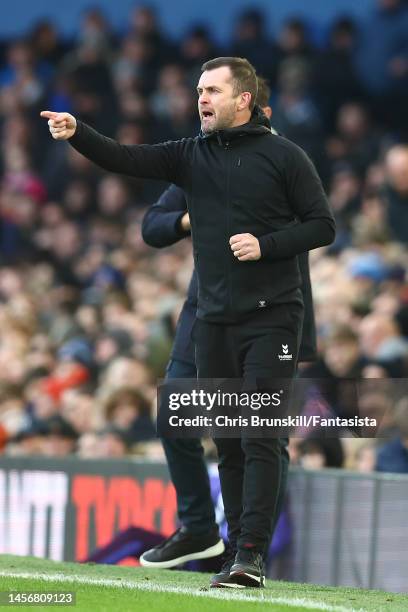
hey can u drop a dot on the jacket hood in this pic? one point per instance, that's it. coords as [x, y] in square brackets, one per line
[258, 124]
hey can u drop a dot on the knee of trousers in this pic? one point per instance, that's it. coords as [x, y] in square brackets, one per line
[183, 445]
[261, 447]
[229, 450]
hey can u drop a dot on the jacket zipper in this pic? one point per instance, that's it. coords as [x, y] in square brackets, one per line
[229, 275]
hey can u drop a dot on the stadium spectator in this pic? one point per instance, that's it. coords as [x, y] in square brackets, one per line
[79, 409]
[393, 456]
[293, 42]
[381, 339]
[295, 113]
[365, 457]
[340, 356]
[396, 192]
[128, 411]
[144, 25]
[250, 40]
[112, 443]
[355, 143]
[59, 438]
[382, 59]
[196, 48]
[46, 45]
[335, 79]
[316, 453]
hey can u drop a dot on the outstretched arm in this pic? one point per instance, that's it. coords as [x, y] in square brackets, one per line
[166, 221]
[166, 161]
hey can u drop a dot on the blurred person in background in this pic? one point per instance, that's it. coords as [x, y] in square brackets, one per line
[250, 40]
[144, 25]
[295, 113]
[196, 48]
[356, 142]
[393, 455]
[381, 339]
[13, 418]
[51, 436]
[88, 446]
[112, 443]
[132, 70]
[127, 410]
[335, 373]
[361, 455]
[316, 453]
[340, 356]
[334, 75]
[293, 42]
[85, 71]
[377, 401]
[395, 192]
[95, 29]
[79, 409]
[59, 437]
[125, 371]
[22, 79]
[47, 46]
[382, 60]
[344, 196]
[111, 344]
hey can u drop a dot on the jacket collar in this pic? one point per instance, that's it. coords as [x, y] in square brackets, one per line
[258, 124]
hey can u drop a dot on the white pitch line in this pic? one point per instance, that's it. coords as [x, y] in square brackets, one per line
[154, 587]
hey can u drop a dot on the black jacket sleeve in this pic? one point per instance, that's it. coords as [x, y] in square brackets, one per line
[166, 161]
[308, 344]
[161, 223]
[309, 204]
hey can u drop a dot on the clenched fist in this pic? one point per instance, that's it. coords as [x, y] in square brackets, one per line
[245, 247]
[62, 125]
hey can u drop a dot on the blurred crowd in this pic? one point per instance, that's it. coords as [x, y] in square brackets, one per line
[88, 311]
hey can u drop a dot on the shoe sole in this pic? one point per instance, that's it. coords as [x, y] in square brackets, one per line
[227, 585]
[248, 580]
[212, 551]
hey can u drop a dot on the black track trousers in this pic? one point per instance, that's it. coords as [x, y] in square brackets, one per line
[250, 468]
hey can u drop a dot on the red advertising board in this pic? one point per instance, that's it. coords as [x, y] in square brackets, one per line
[65, 509]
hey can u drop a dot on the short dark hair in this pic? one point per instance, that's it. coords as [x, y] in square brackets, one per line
[243, 75]
[343, 334]
[126, 395]
[264, 93]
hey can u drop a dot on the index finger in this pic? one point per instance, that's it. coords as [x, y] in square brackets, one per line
[48, 114]
[236, 238]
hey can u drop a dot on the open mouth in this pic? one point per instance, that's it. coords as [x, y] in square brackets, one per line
[207, 114]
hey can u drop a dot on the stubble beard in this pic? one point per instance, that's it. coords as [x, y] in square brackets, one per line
[224, 121]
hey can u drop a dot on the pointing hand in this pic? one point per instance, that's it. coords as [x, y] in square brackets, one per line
[62, 125]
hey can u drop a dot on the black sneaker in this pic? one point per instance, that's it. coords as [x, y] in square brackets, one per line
[183, 546]
[248, 569]
[222, 579]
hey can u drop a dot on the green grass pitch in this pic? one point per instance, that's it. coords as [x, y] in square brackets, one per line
[109, 588]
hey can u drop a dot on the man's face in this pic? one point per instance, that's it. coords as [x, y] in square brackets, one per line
[396, 164]
[341, 356]
[217, 104]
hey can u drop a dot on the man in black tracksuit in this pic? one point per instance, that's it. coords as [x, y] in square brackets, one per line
[198, 538]
[255, 202]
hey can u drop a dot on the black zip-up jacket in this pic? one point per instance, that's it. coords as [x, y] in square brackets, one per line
[161, 227]
[238, 180]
